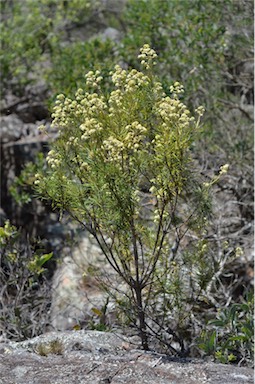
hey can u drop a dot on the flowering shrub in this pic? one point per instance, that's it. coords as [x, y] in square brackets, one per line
[121, 167]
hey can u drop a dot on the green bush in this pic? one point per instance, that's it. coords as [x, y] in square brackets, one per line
[70, 64]
[25, 291]
[232, 337]
[193, 39]
[21, 188]
[121, 167]
[30, 32]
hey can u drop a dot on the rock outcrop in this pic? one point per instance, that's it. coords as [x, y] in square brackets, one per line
[79, 357]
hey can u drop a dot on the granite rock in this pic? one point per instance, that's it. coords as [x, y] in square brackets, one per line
[98, 357]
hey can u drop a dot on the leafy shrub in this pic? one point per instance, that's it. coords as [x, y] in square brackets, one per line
[194, 40]
[71, 62]
[30, 31]
[21, 187]
[232, 339]
[121, 167]
[25, 292]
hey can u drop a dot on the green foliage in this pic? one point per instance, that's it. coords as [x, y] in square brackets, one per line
[24, 289]
[121, 167]
[21, 187]
[232, 339]
[182, 34]
[30, 32]
[36, 265]
[21, 42]
[192, 39]
[9, 241]
[98, 322]
[71, 62]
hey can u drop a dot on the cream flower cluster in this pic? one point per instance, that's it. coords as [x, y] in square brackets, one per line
[115, 101]
[90, 127]
[117, 150]
[93, 103]
[176, 89]
[93, 79]
[134, 80]
[60, 111]
[72, 142]
[80, 94]
[174, 111]
[84, 166]
[135, 134]
[158, 89]
[125, 82]
[114, 149]
[66, 110]
[147, 56]
[118, 76]
[223, 169]
[38, 179]
[128, 80]
[239, 251]
[200, 111]
[53, 159]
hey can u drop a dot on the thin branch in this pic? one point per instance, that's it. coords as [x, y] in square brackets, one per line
[236, 106]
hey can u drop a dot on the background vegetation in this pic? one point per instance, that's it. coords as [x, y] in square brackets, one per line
[205, 45]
